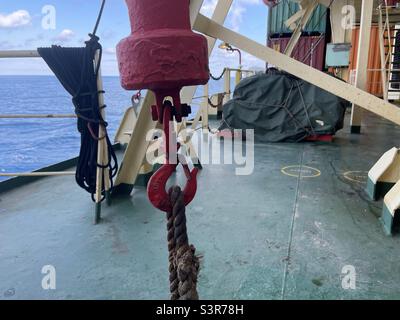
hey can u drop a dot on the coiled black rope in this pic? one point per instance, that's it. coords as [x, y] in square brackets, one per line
[88, 110]
[90, 119]
[75, 69]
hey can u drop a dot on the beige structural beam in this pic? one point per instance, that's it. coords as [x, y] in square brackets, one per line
[307, 9]
[324, 81]
[362, 60]
[137, 147]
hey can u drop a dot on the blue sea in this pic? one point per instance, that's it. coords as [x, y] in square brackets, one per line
[31, 144]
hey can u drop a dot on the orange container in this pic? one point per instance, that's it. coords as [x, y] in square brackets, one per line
[374, 80]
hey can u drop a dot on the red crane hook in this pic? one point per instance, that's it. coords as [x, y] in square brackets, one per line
[156, 188]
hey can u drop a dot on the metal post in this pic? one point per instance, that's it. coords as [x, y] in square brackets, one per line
[102, 154]
[204, 108]
[227, 85]
[382, 53]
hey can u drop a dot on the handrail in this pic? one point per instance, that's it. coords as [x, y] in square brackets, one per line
[38, 174]
[19, 54]
[241, 70]
[37, 116]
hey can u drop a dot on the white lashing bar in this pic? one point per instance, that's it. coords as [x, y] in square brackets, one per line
[19, 54]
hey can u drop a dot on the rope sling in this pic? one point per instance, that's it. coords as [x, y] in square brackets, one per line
[184, 265]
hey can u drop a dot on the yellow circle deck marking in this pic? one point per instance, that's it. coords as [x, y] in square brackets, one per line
[356, 176]
[301, 171]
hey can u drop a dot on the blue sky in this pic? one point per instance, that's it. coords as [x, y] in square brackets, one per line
[21, 28]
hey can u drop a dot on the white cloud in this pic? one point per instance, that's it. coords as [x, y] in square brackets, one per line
[219, 60]
[208, 7]
[111, 51]
[236, 17]
[237, 11]
[16, 19]
[65, 36]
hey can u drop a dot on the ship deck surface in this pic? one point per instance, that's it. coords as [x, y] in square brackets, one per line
[263, 236]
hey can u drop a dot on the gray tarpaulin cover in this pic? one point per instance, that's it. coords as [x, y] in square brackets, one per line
[283, 108]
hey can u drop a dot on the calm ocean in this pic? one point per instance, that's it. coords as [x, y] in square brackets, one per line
[31, 144]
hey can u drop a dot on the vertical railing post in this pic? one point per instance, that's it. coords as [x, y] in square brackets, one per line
[382, 53]
[102, 152]
[204, 107]
[227, 85]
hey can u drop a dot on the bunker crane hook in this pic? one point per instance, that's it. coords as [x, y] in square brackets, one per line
[164, 55]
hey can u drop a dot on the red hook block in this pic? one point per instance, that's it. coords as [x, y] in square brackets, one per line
[162, 53]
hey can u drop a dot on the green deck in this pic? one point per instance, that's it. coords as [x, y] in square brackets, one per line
[265, 236]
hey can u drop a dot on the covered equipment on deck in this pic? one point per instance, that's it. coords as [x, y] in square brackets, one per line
[283, 108]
